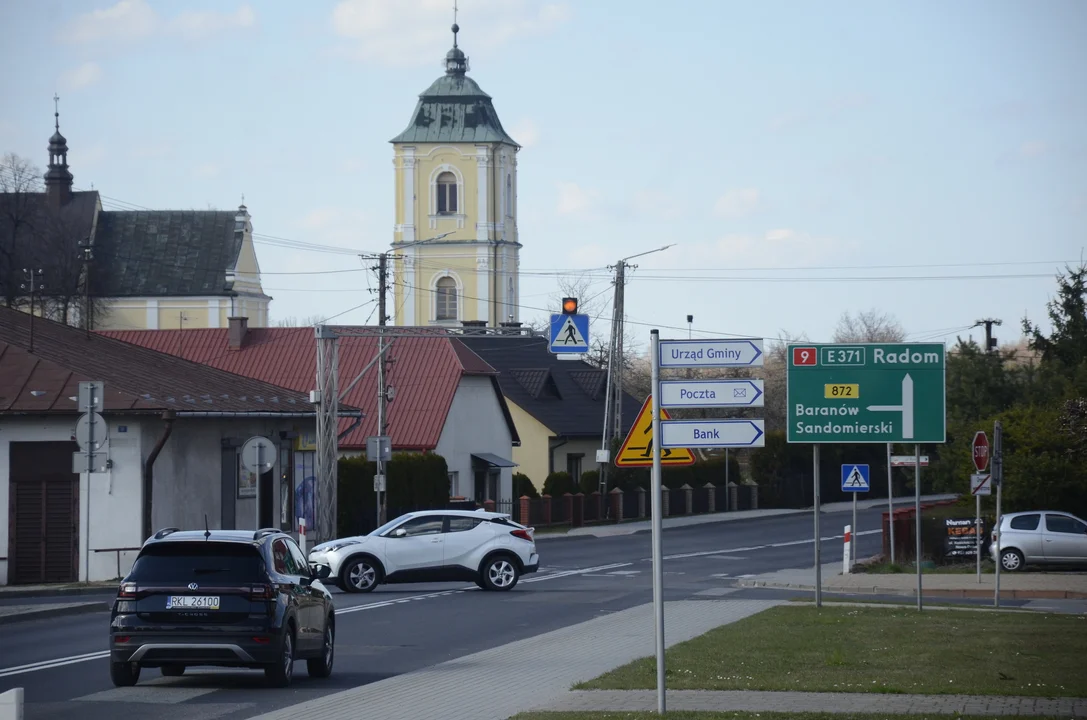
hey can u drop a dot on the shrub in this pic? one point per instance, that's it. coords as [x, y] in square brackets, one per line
[558, 484]
[415, 481]
[522, 485]
[590, 482]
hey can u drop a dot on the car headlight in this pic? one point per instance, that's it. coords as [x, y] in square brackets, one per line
[339, 546]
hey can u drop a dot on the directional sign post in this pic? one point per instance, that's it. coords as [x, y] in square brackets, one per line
[569, 334]
[712, 433]
[855, 479]
[711, 393]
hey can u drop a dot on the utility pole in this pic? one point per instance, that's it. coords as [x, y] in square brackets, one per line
[88, 255]
[990, 341]
[34, 284]
[382, 394]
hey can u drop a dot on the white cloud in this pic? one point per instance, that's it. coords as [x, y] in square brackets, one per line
[410, 32]
[738, 203]
[574, 199]
[207, 170]
[136, 20]
[525, 132]
[83, 76]
[656, 204]
[339, 226]
[1033, 149]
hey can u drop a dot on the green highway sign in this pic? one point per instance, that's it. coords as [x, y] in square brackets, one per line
[866, 393]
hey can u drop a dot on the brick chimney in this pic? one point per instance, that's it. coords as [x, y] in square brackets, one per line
[239, 330]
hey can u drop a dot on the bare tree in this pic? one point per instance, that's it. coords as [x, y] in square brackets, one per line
[869, 326]
[292, 321]
[774, 370]
[20, 181]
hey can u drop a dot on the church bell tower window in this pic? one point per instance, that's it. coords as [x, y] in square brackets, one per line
[447, 193]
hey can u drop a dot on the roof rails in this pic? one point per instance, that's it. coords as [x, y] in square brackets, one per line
[264, 532]
[164, 532]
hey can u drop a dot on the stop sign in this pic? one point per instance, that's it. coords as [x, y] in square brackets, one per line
[981, 451]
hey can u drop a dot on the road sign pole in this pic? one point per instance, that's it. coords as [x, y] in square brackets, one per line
[818, 559]
[853, 545]
[260, 464]
[997, 478]
[890, 504]
[977, 532]
[917, 520]
[658, 512]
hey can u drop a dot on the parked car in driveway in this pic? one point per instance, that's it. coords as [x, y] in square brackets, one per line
[226, 598]
[1039, 537]
[433, 546]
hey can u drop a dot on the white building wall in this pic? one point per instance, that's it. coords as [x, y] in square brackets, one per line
[475, 424]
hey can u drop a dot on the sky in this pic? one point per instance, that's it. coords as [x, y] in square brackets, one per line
[924, 159]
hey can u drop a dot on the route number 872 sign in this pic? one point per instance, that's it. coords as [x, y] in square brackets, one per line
[866, 393]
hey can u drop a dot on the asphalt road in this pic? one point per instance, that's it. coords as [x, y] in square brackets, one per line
[60, 662]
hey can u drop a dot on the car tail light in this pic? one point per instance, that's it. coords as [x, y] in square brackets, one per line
[122, 638]
[261, 592]
[262, 639]
[127, 590]
[523, 534]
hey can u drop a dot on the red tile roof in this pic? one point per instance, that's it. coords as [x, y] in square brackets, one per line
[136, 378]
[425, 372]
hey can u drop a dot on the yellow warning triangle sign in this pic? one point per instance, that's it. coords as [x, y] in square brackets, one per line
[637, 449]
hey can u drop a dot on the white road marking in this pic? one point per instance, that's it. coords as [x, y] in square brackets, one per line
[48, 664]
[705, 553]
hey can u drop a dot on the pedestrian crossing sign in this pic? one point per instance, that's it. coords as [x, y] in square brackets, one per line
[855, 478]
[637, 449]
[569, 334]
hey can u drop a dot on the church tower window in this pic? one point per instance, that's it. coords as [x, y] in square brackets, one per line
[446, 305]
[446, 188]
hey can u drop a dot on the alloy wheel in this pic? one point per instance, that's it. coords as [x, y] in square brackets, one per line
[501, 573]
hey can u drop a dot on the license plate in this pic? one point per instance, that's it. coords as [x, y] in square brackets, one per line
[192, 602]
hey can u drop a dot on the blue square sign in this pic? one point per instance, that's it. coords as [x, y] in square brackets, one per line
[855, 478]
[569, 334]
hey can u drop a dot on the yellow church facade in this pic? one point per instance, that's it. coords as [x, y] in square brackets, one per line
[455, 246]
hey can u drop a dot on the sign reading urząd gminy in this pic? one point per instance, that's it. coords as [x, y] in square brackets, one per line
[866, 393]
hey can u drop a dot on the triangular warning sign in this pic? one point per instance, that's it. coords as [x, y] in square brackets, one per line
[637, 449]
[855, 479]
[569, 334]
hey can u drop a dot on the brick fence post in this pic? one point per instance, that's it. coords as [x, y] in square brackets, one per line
[526, 510]
[641, 502]
[666, 501]
[711, 497]
[568, 506]
[754, 497]
[733, 497]
[546, 514]
[617, 505]
[488, 505]
[688, 497]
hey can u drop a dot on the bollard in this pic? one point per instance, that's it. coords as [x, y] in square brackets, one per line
[302, 536]
[11, 704]
[848, 538]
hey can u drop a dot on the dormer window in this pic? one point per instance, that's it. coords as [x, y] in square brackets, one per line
[446, 188]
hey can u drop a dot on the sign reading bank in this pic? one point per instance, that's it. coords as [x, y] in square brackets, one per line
[866, 393]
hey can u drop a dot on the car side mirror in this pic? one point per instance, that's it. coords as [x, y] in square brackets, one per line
[399, 532]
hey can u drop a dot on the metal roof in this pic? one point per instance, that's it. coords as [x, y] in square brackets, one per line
[425, 372]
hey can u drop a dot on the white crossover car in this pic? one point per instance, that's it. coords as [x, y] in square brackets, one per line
[433, 546]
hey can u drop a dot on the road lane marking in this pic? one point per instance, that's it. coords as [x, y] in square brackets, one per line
[48, 664]
[809, 541]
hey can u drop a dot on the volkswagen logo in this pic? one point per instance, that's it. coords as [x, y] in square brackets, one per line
[193, 586]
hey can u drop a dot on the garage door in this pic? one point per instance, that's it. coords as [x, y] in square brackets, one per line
[43, 540]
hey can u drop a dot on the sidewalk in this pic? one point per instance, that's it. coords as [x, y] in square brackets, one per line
[1013, 586]
[875, 703]
[20, 613]
[56, 590]
[629, 528]
[525, 675]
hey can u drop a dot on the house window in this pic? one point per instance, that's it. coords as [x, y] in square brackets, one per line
[446, 299]
[573, 466]
[447, 193]
[453, 484]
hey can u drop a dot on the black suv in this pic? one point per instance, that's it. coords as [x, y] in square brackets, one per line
[228, 598]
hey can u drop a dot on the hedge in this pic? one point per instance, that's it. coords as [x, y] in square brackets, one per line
[415, 481]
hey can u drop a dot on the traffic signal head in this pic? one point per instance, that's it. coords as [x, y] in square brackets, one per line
[569, 306]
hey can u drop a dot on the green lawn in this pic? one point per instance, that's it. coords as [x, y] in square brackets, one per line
[732, 716]
[886, 650]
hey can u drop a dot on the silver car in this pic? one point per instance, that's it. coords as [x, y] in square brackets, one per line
[1043, 537]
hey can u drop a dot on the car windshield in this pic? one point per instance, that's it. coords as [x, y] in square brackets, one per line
[201, 562]
[391, 524]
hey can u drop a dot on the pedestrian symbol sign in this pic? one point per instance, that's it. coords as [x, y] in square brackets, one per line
[855, 478]
[637, 449]
[569, 334]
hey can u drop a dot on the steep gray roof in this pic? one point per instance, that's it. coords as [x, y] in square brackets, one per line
[164, 252]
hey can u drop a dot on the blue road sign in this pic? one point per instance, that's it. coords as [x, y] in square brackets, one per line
[855, 478]
[569, 334]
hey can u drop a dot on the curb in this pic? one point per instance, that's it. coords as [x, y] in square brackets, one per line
[60, 592]
[52, 612]
[935, 593]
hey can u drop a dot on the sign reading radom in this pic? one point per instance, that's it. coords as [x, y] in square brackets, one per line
[866, 393]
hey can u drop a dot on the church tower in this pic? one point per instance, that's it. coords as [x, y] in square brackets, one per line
[455, 241]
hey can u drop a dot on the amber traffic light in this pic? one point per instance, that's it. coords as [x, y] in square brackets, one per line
[569, 306]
